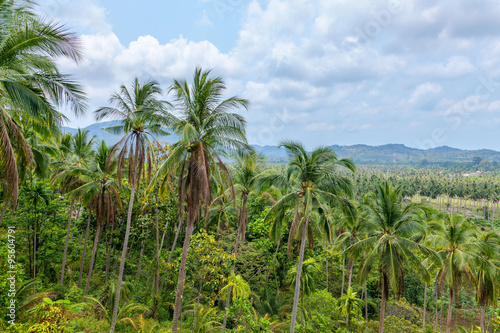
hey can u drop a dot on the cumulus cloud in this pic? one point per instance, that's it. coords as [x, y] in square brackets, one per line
[362, 65]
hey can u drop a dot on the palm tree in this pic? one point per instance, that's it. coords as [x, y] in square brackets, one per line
[245, 180]
[206, 127]
[36, 193]
[350, 304]
[30, 82]
[393, 242]
[453, 238]
[100, 190]
[310, 269]
[353, 230]
[317, 186]
[75, 152]
[488, 248]
[142, 115]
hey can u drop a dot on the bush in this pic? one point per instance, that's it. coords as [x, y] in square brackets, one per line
[395, 324]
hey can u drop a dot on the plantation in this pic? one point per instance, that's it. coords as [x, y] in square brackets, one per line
[205, 235]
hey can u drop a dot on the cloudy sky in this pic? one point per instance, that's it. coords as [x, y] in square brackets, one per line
[424, 73]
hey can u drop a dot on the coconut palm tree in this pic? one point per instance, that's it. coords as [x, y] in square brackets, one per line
[453, 238]
[353, 230]
[310, 270]
[30, 82]
[393, 242]
[36, 193]
[142, 116]
[205, 127]
[100, 190]
[74, 152]
[350, 304]
[486, 276]
[316, 185]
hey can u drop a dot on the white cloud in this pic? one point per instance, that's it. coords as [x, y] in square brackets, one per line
[307, 57]
[319, 127]
[424, 90]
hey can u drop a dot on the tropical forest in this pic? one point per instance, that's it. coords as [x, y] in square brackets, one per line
[183, 226]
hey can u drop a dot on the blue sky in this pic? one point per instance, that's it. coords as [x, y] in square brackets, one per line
[418, 72]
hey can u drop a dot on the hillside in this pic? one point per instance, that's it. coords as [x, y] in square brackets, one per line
[360, 153]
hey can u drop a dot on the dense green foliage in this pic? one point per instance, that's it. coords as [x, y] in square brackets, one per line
[92, 233]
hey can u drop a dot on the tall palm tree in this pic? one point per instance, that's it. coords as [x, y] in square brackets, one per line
[74, 152]
[30, 82]
[317, 185]
[100, 190]
[244, 175]
[393, 242]
[486, 276]
[454, 239]
[36, 193]
[353, 230]
[206, 127]
[310, 270]
[142, 116]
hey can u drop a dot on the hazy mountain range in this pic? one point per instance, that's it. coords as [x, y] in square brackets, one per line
[363, 154]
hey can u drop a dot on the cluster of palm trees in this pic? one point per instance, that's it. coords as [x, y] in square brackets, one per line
[312, 196]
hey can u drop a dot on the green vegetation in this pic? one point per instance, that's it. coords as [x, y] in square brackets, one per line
[315, 244]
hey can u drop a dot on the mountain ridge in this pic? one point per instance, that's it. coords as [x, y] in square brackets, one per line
[360, 153]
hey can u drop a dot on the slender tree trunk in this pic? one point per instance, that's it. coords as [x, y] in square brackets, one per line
[140, 262]
[92, 258]
[351, 264]
[175, 240]
[197, 306]
[425, 303]
[382, 303]
[343, 276]
[84, 250]
[182, 274]
[327, 275]
[61, 281]
[34, 249]
[124, 254]
[239, 238]
[450, 312]
[366, 301]
[157, 275]
[4, 209]
[108, 251]
[483, 312]
[299, 273]
[30, 250]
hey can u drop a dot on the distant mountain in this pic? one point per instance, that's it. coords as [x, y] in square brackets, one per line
[98, 130]
[362, 154]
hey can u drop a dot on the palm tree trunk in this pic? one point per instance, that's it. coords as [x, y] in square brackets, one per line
[84, 250]
[92, 258]
[382, 303]
[425, 303]
[140, 261]
[175, 240]
[351, 264]
[343, 276]
[197, 305]
[299, 273]
[124, 254]
[157, 275]
[366, 301]
[61, 281]
[182, 273]
[108, 251]
[34, 249]
[483, 312]
[450, 312]
[239, 238]
[4, 209]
